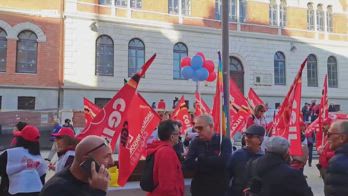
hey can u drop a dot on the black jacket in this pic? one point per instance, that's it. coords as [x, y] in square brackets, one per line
[336, 181]
[64, 183]
[237, 170]
[278, 178]
[208, 162]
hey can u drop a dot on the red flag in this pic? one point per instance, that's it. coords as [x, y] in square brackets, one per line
[286, 122]
[323, 114]
[140, 121]
[201, 107]
[239, 109]
[314, 126]
[90, 110]
[182, 115]
[109, 122]
[254, 99]
[239, 122]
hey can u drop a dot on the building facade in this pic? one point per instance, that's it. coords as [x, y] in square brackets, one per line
[103, 42]
[31, 56]
[268, 42]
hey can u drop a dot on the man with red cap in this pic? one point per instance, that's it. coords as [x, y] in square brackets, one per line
[66, 143]
[23, 164]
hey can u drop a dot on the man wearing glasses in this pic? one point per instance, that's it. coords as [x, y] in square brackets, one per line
[207, 158]
[237, 165]
[84, 179]
[336, 180]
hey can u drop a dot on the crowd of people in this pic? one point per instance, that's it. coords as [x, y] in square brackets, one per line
[261, 167]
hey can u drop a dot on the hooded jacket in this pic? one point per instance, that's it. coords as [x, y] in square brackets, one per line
[167, 170]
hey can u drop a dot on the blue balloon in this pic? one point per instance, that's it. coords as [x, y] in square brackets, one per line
[202, 74]
[187, 72]
[196, 62]
[195, 76]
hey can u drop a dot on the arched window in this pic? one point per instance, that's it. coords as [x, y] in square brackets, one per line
[312, 71]
[3, 50]
[273, 19]
[279, 69]
[179, 51]
[104, 63]
[332, 72]
[320, 18]
[310, 16]
[237, 72]
[283, 17]
[329, 19]
[136, 56]
[26, 52]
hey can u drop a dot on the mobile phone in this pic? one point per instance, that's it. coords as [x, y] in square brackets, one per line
[86, 166]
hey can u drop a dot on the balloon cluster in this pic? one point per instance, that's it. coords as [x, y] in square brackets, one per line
[198, 68]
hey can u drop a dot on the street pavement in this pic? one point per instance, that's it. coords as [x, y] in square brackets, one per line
[314, 180]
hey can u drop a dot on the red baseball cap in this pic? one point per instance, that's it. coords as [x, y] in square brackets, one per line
[65, 131]
[29, 133]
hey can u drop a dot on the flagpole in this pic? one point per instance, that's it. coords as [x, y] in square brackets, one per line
[225, 61]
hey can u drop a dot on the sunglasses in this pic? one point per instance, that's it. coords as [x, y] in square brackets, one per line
[105, 143]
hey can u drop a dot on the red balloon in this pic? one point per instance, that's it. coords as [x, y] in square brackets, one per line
[185, 62]
[209, 65]
[202, 55]
[212, 76]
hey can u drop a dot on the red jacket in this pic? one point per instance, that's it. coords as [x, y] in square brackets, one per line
[167, 171]
[325, 156]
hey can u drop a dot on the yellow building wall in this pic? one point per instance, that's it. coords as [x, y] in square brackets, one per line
[261, 16]
[296, 18]
[32, 4]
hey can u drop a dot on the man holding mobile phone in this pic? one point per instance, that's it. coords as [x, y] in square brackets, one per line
[88, 174]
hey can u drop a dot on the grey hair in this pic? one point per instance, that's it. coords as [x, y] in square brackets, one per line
[278, 145]
[207, 118]
[342, 126]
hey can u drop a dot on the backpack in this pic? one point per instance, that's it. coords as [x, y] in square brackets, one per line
[146, 181]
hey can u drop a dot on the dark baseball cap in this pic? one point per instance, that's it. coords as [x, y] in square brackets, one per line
[255, 130]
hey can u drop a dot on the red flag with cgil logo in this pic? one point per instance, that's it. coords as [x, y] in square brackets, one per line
[182, 115]
[323, 114]
[90, 110]
[109, 122]
[239, 109]
[286, 123]
[140, 121]
[201, 106]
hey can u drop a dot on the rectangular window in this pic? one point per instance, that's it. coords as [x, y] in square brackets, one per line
[26, 103]
[121, 3]
[310, 19]
[105, 2]
[329, 22]
[136, 4]
[173, 7]
[101, 102]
